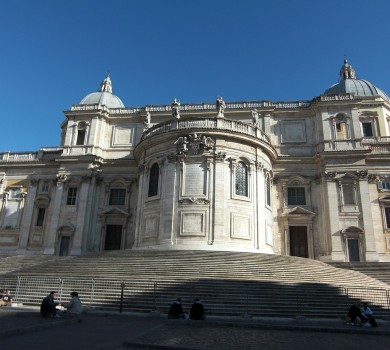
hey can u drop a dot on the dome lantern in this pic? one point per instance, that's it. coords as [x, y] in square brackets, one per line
[103, 96]
[349, 84]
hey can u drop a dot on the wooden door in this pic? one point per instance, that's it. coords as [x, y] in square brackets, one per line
[298, 241]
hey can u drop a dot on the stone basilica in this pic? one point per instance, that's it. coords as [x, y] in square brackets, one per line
[302, 178]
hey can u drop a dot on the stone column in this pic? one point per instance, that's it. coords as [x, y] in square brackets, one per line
[219, 225]
[83, 211]
[27, 216]
[371, 252]
[333, 219]
[168, 226]
[52, 225]
[142, 188]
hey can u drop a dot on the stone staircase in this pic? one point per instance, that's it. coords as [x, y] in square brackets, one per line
[377, 270]
[229, 283]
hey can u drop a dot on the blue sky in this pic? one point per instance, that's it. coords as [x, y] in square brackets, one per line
[53, 53]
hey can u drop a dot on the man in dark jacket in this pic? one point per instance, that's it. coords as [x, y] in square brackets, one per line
[176, 310]
[354, 314]
[197, 310]
[48, 306]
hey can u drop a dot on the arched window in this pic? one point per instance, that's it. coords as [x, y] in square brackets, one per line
[153, 180]
[81, 132]
[241, 179]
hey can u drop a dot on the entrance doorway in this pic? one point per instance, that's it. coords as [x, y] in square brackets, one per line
[298, 241]
[64, 246]
[353, 249]
[113, 237]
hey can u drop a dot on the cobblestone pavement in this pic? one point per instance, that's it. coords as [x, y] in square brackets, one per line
[25, 329]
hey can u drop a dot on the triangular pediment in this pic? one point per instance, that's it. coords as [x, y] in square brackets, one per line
[299, 211]
[346, 176]
[115, 211]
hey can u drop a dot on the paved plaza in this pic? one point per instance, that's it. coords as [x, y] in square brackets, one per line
[25, 329]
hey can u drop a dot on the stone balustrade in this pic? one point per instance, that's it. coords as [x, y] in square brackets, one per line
[208, 124]
[18, 156]
[43, 153]
[196, 106]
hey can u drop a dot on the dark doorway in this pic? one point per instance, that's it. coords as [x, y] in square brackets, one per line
[113, 237]
[298, 241]
[64, 246]
[353, 249]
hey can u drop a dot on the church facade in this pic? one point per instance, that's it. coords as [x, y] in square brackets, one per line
[302, 178]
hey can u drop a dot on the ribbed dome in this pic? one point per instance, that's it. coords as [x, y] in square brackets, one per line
[349, 84]
[359, 87]
[104, 96]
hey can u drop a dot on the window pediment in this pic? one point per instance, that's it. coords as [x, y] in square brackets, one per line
[352, 229]
[114, 211]
[385, 199]
[299, 211]
[42, 201]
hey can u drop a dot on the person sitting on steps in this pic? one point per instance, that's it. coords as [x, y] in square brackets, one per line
[176, 310]
[197, 311]
[48, 305]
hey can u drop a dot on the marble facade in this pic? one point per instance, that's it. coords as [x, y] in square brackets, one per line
[305, 178]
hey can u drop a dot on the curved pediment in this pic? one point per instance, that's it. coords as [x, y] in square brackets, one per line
[352, 229]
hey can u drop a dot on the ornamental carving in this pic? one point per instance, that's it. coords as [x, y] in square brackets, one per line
[329, 175]
[193, 144]
[362, 174]
[373, 178]
[220, 156]
[193, 200]
[61, 178]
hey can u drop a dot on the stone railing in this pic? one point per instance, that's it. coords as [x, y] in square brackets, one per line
[376, 140]
[377, 145]
[195, 107]
[44, 153]
[88, 107]
[341, 97]
[207, 124]
[18, 156]
[231, 105]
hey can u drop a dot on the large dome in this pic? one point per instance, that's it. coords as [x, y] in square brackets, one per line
[104, 96]
[349, 84]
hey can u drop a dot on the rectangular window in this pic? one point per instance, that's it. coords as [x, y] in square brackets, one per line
[72, 195]
[296, 196]
[40, 217]
[341, 131]
[367, 129]
[348, 194]
[384, 185]
[15, 192]
[117, 196]
[80, 137]
[45, 187]
[387, 217]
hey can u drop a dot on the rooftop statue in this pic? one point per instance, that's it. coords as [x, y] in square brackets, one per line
[175, 109]
[255, 117]
[221, 105]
